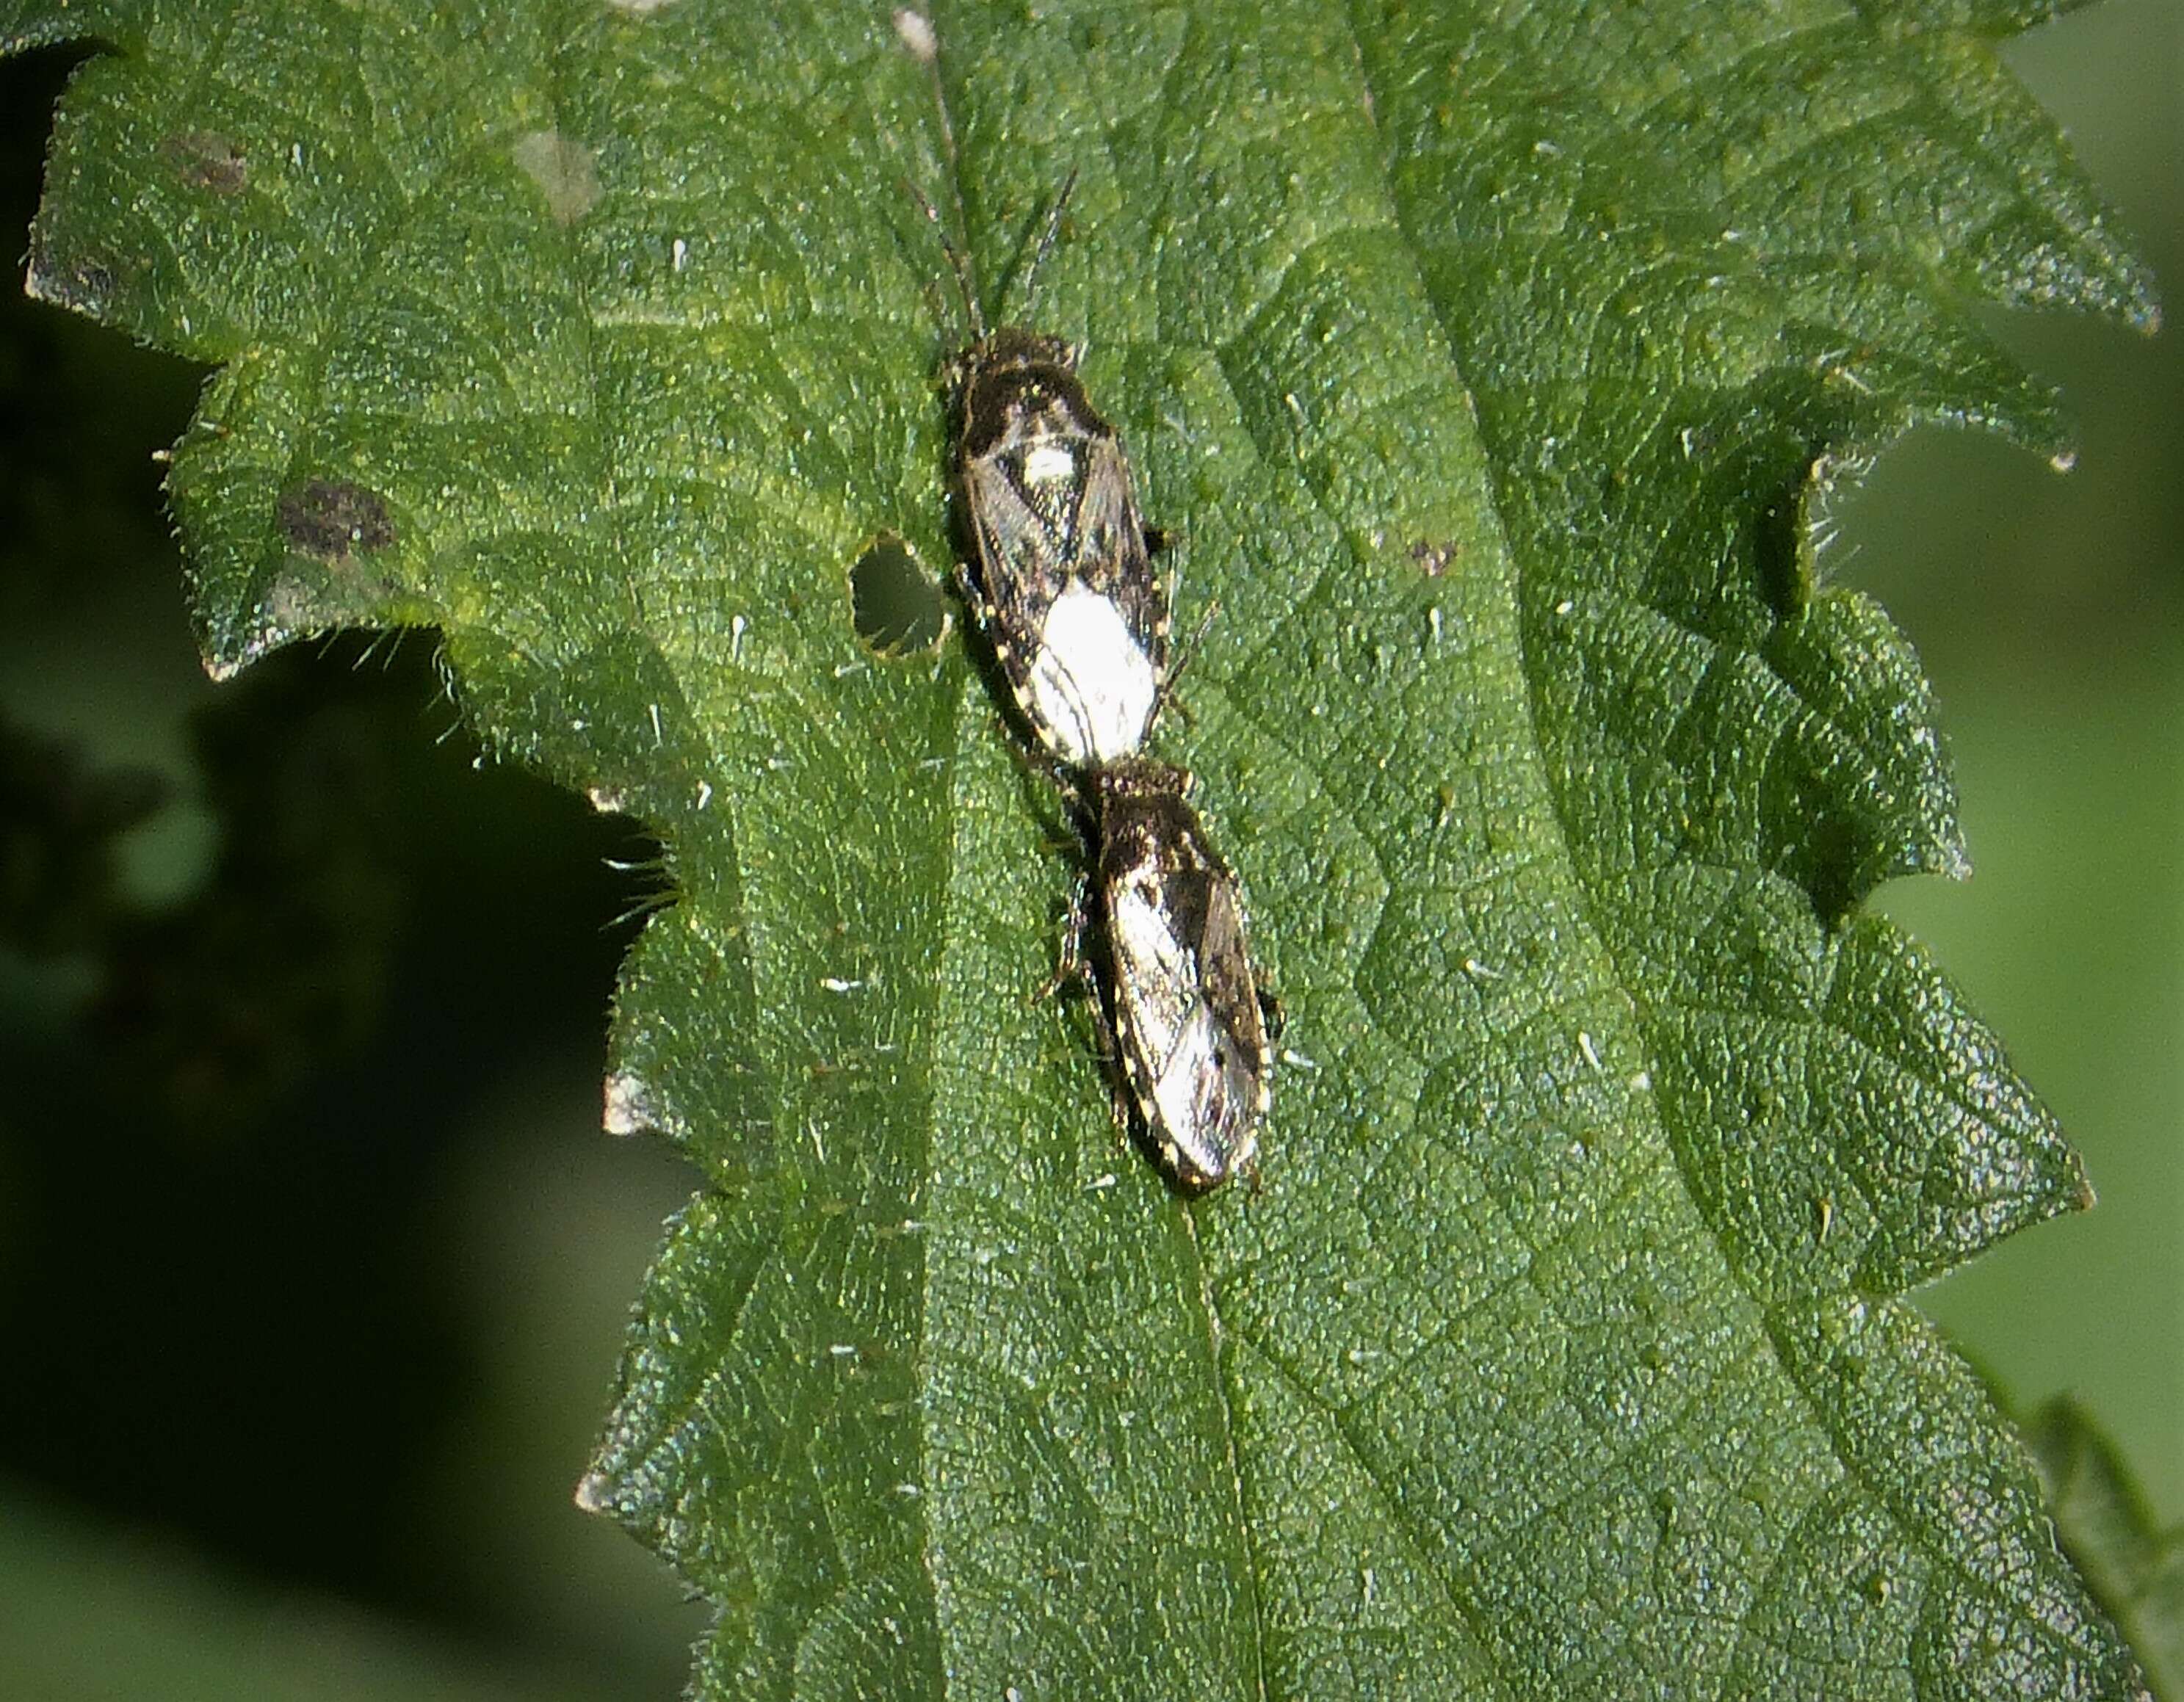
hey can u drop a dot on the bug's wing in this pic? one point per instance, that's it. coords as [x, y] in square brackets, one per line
[1231, 994]
[1194, 1047]
[1113, 556]
[1156, 978]
[1225, 966]
[1020, 549]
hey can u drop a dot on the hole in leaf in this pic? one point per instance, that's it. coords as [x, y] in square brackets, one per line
[894, 603]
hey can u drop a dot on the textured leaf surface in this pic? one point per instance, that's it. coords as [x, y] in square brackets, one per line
[1489, 366]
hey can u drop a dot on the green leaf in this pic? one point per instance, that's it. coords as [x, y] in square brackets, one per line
[1491, 368]
[2135, 1569]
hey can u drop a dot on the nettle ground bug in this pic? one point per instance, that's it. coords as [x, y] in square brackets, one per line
[1058, 568]
[1057, 565]
[1059, 573]
[1178, 1002]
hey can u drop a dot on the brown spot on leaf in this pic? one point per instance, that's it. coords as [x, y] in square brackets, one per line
[1433, 558]
[331, 520]
[206, 160]
[84, 281]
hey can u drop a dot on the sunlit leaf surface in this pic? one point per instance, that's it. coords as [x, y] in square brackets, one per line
[1489, 366]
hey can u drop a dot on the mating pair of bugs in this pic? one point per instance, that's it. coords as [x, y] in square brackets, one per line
[1058, 570]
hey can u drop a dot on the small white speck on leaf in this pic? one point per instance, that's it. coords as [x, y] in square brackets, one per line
[915, 31]
[628, 1110]
[592, 1490]
[563, 169]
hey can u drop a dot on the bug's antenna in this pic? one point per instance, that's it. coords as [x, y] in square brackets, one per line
[967, 284]
[1046, 243]
[916, 31]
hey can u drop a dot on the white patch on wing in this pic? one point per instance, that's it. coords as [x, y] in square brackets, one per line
[1194, 1100]
[1181, 1056]
[1091, 680]
[1050, 464]
[1154, 975]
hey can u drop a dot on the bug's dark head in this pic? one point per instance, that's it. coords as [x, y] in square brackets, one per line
[1017, 382]
[1009, 354]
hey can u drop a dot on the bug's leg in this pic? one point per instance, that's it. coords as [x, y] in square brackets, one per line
[1120, 1103]
[1071, 966]
[1075, 967]
[1184, 655]
[1271, 1014]
[1034, 758]
[964, 584]
[985, 621]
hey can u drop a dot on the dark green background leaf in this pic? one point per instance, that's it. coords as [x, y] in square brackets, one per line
[2135, 1569]
[1491, 370]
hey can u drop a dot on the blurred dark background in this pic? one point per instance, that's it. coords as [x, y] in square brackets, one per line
[313, 1261]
